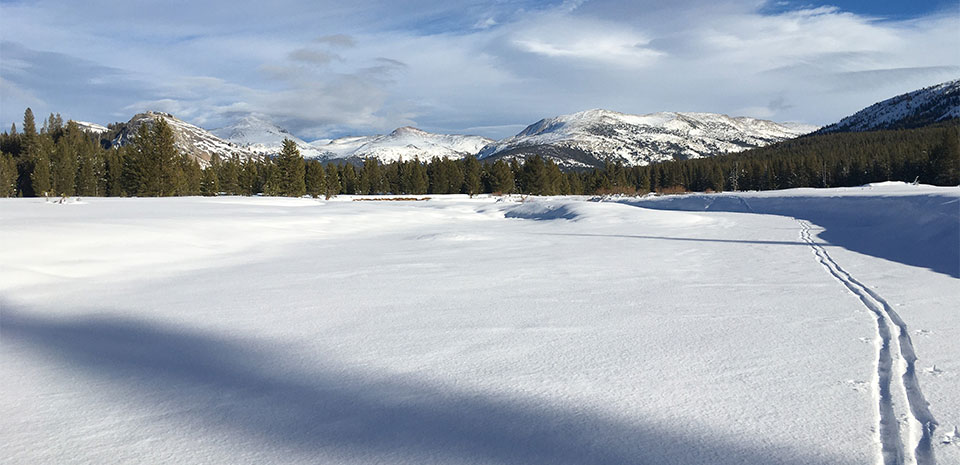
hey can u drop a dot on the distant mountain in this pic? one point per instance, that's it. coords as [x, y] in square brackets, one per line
[911, 110]
[263, 137]
[590, 138]
[406, 143]
[192, 140]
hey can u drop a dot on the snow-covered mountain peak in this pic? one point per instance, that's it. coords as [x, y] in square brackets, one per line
[592, 137]
[409, 130]
[190, 139]
[263, 136]
[921, 107]
[405, 143]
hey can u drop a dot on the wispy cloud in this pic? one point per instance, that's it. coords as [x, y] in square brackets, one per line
[459, 66]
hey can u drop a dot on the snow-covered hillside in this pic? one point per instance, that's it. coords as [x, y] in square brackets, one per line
[192, 140]
[406, 143]
[262, 136]
[918, 108]
[592, 137]
[91, 127]
[490, 330]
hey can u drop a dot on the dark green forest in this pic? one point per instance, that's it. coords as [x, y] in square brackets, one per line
[60, 159]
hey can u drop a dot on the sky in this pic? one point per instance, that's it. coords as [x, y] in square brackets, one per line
[326, 69]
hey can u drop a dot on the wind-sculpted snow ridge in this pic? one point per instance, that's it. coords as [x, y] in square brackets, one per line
[915, 225]
[592, 137]
[921, 422]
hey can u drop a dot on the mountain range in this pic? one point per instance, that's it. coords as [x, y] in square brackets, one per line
[591, 138]
[580, 140]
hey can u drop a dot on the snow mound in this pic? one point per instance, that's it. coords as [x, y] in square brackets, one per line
[545, 211]
[914, 224]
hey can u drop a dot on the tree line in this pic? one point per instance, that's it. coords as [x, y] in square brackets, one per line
[63, 160]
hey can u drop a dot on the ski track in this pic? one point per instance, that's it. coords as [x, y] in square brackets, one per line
[891, 352]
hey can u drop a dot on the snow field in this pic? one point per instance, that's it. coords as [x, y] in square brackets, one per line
[455, 330]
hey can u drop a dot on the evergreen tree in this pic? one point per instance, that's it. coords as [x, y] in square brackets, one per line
[114, 172]
[90, 177]
[63, 162]
[315, 179]
[291, 170]
[348, 176]
[371, 178]
[945, 159]
[29, 132]
[229, 176]
[8, 175]
[154, 167]
[41, 176]
[419, 182]
[471, 176]
[209, 182]
[501, 178]
[533, 177]
[332, 182]
[191, 176]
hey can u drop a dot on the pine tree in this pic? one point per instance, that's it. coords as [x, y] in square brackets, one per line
[332, 182]
[229, 176]
[41, 176]
[29, 132]
[209, 182]
[8, 175]
[64, 159]
[348, 175]
[90, 175]
[168, 157]
[501, 176]
[945, 159]
[291, 170]
[315, 179]
[371, 178]
[419, 182]
[191, 176]
[114, 182]
[471, 176]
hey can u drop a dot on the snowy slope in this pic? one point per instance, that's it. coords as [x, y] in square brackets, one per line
[91, 127]
[914, 109]
[406, 143]
[262, 136]
[192, 140]
[592, 137]
[456, 331]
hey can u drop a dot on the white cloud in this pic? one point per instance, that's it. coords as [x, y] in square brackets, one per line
[457, 66]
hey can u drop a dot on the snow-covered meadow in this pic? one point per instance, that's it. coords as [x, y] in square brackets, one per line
[702, 329]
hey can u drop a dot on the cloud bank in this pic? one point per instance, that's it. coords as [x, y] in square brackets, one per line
[325, 69]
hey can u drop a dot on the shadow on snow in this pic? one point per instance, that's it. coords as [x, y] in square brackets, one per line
[234, 386]
[920, 230]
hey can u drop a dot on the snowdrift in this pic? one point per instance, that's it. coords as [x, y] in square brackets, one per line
[914, 225]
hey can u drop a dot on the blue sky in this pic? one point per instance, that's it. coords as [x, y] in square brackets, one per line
[332, 68]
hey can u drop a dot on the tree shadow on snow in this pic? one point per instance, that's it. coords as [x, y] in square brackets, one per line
[237, 387]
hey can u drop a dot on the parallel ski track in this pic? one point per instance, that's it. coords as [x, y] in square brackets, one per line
[891, 351]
